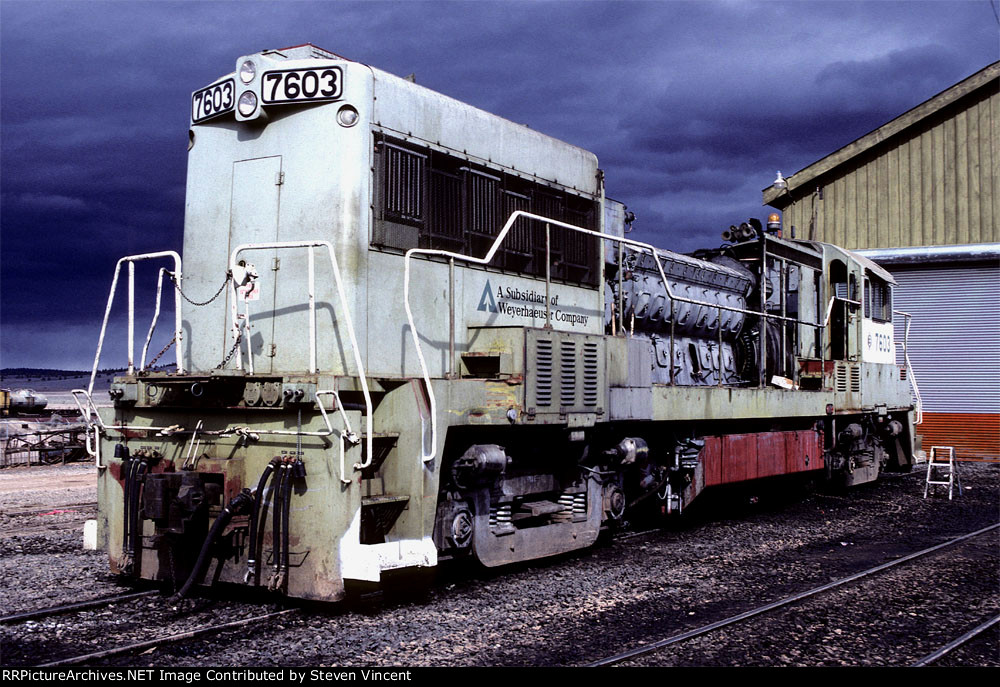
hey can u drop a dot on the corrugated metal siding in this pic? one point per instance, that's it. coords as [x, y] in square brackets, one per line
[973, 435]
[934, 184]
[954, 340]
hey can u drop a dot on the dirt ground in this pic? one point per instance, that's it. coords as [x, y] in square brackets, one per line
[27, 487]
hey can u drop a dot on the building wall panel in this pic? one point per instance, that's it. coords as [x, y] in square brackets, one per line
[973, 435]
[954, 334]
[934, 183]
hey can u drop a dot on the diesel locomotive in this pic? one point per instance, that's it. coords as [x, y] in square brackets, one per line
[407, 330]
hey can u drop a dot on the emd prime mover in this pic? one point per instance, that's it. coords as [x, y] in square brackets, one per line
[407, 330]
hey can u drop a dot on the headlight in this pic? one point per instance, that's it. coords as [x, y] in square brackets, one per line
[248, 70]
[347, 116]
[248, 103]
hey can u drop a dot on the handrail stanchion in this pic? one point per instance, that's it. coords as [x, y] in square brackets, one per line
[548, 277]
[156, 315]
[919, 404]
[87, 414]
[131, 317]
[721, 363]
[312, 310]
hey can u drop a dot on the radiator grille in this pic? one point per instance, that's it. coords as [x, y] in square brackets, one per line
[564, 373]
[543, 373]
[847, 378]
[841, 378]
[591, 373]
[404, 193]
[567, 372]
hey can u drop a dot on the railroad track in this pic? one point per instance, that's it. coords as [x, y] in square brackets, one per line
[658, 645]
[73, 607]
[128, 647]
[933, 657]
[169, 639]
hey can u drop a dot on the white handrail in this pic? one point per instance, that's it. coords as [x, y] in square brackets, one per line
[345, 436]
[156, 315]
[173, 430]
[312, 333]
[919, 405]
[87, 414]
[131, 260]
[514, 216]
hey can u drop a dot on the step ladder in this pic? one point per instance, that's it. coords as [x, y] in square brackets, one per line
[943, 470]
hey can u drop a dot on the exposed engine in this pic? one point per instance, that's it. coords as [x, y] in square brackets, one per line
[704, 338]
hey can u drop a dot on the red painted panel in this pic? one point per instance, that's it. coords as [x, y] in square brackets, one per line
[711, 458]
[743, 457]
[804, 451]
[815, 452]
[771, 453]
[795, 446]
[739, 457]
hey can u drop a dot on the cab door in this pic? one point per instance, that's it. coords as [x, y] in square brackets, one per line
[256, 196]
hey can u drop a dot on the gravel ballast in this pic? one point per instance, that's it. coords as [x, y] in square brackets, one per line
[731, 552]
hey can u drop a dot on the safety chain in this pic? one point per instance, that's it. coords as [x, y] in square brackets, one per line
[232, 351]
[165, 349]
[173, 279]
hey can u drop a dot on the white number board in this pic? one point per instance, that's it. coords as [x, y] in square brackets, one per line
[217, 99]
[302, 85]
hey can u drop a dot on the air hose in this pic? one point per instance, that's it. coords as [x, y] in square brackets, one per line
[286, 499]
[240, 504]
[135, 529]
[279, 500]
[127, 467]
[253, 568]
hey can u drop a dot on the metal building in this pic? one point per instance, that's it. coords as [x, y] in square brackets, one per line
[919, 195]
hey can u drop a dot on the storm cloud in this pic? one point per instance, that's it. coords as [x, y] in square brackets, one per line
[691, 107]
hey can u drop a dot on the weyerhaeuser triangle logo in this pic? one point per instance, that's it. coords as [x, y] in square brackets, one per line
[486, 301]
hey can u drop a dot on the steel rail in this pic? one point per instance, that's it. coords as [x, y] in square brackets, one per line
[69, 608]
[711, 627]
[954, 644]
[170, 639]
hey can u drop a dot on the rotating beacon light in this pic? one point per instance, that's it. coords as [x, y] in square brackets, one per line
[774, 224]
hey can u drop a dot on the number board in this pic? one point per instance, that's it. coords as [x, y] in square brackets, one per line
[217, 99]
[302, 85]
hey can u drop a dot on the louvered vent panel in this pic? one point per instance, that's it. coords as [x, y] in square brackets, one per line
[543, 373]
[590, 374]
[567, 373]
[855, 379]
[841, 378]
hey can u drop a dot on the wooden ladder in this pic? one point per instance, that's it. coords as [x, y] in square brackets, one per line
[943, 470]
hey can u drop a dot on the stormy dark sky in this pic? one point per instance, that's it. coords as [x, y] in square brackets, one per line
[691, 107]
